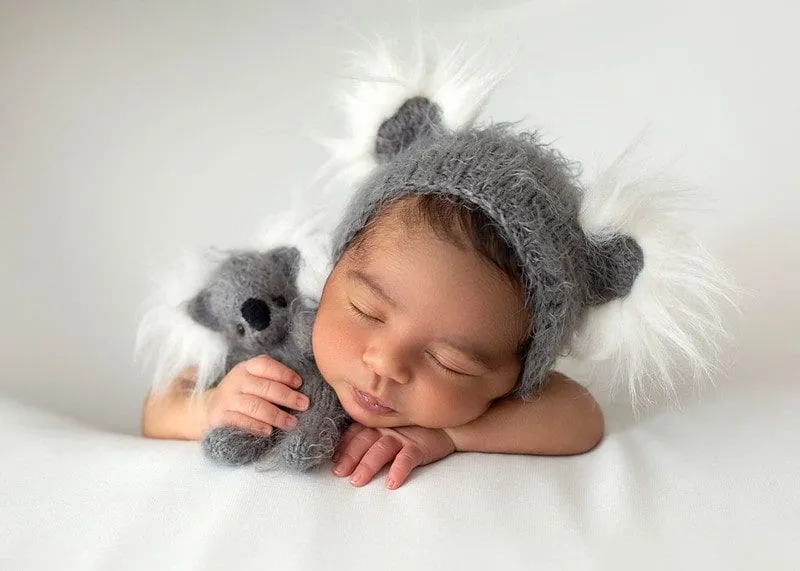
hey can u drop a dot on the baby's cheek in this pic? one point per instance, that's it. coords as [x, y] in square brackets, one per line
[444, 407]
[335, 348]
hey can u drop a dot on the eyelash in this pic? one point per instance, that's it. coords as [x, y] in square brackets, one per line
[361, 315]
[446, 368]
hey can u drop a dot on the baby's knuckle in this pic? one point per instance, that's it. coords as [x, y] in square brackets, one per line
[386, 443]
[411, 452]
[287, 376]
[368, 435]
[273, 416]
[252, 407]
[286, 396]
[273, 391]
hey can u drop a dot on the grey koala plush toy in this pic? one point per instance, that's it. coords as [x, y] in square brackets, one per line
[252, 301]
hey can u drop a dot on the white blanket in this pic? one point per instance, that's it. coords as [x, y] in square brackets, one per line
[714, 487]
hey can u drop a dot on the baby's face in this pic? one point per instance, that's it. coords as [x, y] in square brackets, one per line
[413, 330]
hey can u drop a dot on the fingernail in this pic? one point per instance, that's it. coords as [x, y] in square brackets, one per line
[338, 470]
[302, 403]
[298, 381]
[391, 484]
[291, 422]
[356, 479]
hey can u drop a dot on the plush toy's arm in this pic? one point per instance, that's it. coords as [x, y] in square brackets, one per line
[319, 429]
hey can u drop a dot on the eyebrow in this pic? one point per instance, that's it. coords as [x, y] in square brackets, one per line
[372, 284]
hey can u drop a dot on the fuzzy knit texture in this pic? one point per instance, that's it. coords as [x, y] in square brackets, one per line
[531, 194]
[251, 299]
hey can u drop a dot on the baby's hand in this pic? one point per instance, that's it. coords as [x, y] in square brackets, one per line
[363, 452]
[247, 397]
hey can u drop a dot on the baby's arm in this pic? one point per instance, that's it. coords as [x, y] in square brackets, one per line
[562, 419]
[247, 397]
[175, 414]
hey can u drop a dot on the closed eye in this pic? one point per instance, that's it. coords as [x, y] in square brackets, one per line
[447, 369]
[361, 314]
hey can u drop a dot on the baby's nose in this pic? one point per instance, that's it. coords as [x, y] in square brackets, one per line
[256, 312]
[386, 363]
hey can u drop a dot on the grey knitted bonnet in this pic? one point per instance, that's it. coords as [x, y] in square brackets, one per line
[533, 198]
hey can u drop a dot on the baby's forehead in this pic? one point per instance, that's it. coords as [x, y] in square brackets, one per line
[396, 221]
[440, 224]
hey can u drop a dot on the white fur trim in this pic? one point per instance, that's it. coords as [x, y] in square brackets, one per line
[668, 331]
[459, 85]
[168, 341]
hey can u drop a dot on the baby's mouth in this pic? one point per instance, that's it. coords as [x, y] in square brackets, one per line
[371, 403]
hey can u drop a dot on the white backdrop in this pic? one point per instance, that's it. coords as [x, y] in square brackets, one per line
[130, 130]
[133, 129]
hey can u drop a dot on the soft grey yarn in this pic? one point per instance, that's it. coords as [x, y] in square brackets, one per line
[531, 194]
[252, 300]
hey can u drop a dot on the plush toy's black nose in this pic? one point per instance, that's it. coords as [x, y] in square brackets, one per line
[256, 313]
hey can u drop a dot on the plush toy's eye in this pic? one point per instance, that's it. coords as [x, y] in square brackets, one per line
[280, 301]
[240, 329]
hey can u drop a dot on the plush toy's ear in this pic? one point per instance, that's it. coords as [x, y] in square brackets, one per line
[199, 309]
[286, 259]
[416, 119]
[613, 266]
[655, 295]
[393, 101]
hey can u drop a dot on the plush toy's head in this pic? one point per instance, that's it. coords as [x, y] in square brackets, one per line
[248, 299]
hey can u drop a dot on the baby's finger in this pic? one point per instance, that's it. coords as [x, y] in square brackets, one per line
[275, 392]
[268, 368]
[263, 411]
[350, 456]
[379, 454]
[239, 420]
[351, 432]
[407, 459]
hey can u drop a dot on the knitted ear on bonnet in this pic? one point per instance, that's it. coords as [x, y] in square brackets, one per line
[531, 194]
